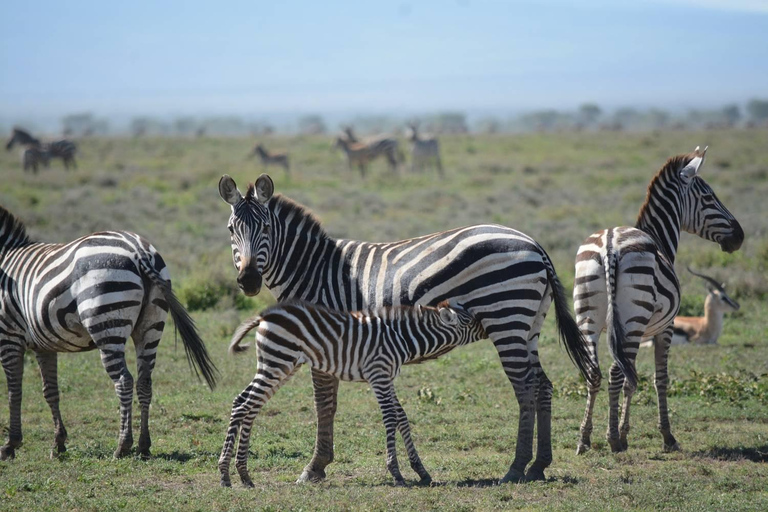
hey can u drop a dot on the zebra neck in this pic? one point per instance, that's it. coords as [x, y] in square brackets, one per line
[660, 218]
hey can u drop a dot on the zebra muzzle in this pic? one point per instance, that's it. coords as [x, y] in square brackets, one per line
[249, 281]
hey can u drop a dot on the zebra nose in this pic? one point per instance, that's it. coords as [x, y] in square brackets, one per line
[735, 239]
[249, 281]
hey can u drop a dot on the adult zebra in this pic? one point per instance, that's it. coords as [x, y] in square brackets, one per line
[64, 149]
[501, 276]
[626, 284]
[40, 152]
[370, 149]
[92, 293]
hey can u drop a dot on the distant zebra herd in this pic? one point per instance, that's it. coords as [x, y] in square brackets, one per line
[358, 311]
[37, 154]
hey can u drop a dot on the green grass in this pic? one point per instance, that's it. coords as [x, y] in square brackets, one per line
[557, 188]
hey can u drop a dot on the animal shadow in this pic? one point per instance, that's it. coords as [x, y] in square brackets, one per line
[758, 454]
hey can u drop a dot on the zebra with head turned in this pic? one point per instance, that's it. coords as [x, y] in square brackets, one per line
[358, 150]
[21, 137]
[501, 276]
[626, 285]
[363, 346]
[92, 293]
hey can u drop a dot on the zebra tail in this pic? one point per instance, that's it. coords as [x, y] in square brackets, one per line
[613, 326]
[245, 327]
[570, 335]
[197, 355]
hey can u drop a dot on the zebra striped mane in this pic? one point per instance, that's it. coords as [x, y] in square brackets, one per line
[283, 207]
[669, 172]
[12, 230]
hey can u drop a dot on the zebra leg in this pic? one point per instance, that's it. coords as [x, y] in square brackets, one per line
[631, 346]
[383, 389]
[514, 357]
[13, 364]
[146, 338]
[49, 373]
[326, 387]
[585, 431]
[661, 381]
[245, 408]
[615, 383]
[405, 432]
[113, 359]
[542, 397]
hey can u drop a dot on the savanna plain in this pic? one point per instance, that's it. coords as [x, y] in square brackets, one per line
[558, 188]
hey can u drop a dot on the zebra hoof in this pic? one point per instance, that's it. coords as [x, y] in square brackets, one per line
[616, 445]
[583, 447]
[674, 447]
[400, 483]
[225, 481]
[535, 475]
[513, 476]
[7, 452]
[311, 476]
[425, 481]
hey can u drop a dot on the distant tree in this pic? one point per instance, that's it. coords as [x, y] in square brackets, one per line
[758, 110]
[541, 120]
[588, 114]
[312, 125]
[626, 116]
[731, 114]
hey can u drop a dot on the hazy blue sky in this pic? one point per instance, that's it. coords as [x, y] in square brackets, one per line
[244, 57]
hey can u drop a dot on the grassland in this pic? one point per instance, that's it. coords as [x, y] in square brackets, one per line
[557, 188]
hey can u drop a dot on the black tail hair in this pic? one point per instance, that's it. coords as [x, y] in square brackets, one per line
[614, 329]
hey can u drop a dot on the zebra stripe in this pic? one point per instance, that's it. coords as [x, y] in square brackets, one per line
[63, 149]
[364, 346]
[361, 153]
[502, 276]
[33, 157]
[626, 285]
[92, 293]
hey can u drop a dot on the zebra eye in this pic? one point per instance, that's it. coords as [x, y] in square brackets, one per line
[265, 228]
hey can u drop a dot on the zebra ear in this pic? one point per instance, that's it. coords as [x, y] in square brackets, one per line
[692, 169]
[448, 316]
[264, 188]
[228, 190]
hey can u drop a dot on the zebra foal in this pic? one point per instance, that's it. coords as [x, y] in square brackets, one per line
[363, 346]
[92, 293]
[626, 285]
[267, 158]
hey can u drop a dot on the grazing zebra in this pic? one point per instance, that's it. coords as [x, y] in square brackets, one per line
[21, 137]
[92, 293]
[267, 158]
[34, 156]
[501, 276]
[424, 150]
[64, 149]
[626, 284]
[382, 339]
[364, 151]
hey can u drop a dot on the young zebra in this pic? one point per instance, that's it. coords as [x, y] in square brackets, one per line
[92, 293]
[363, 346]
[21, 137]
[501, 276]
[423, 150]
[626, 284]
[33, 157]
[63, 149]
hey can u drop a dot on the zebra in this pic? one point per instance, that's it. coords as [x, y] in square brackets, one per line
[21, 137]
[384, 339]
[424, 150]
[267, 158]
[502, 277]
[368, 150]
[626, 284]
[64, 149]
[34, 156]
[88, 294]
